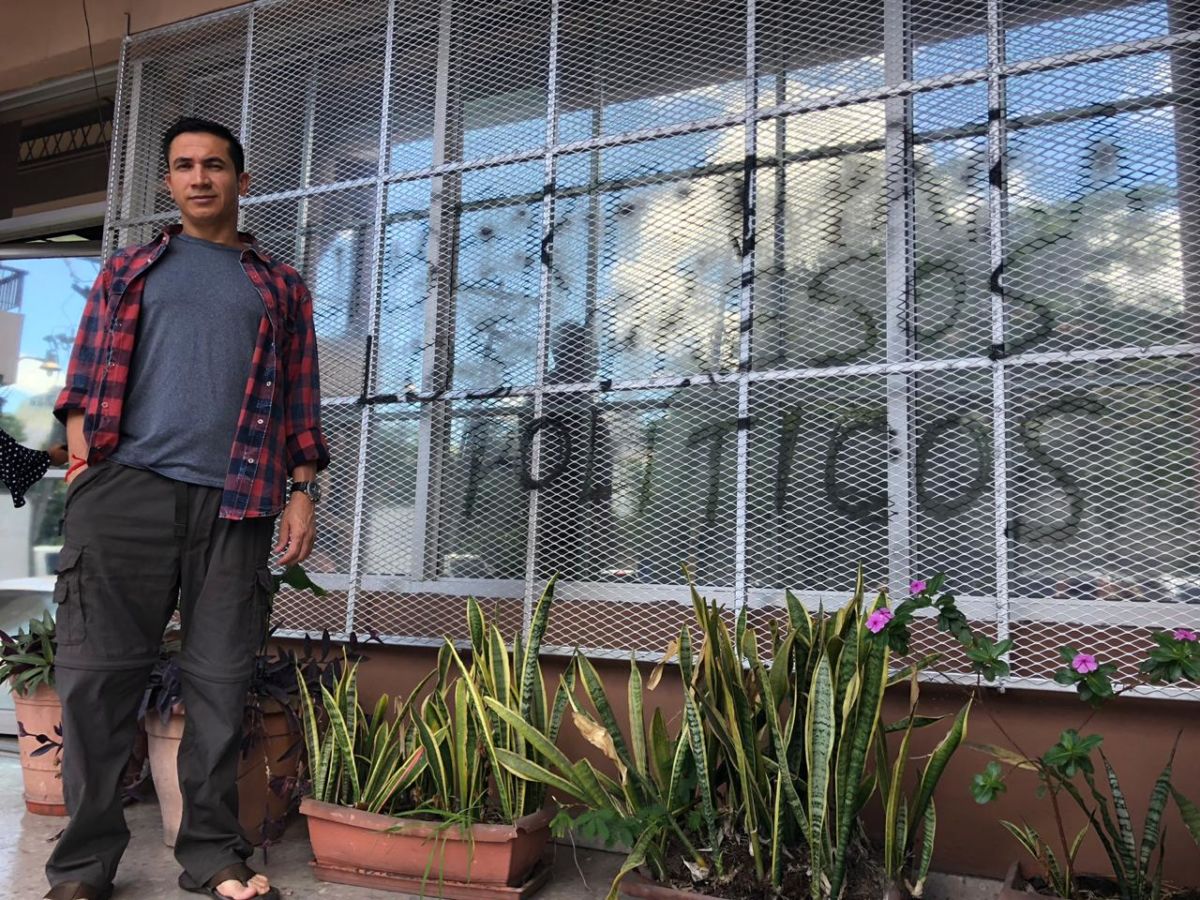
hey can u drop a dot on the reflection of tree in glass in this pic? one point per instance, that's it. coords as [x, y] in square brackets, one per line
[496, 296]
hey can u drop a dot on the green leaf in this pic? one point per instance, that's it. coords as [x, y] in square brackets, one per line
[530, 771]
[485, 736]
[938, 761]
[928, 835]
[637, 716]
[1151, 829]
[533, 647]
[1026, 837]
[1190, 813]
[636, 857]
[475, 624]
[860, 732]
[345, 743]
[819, 738]
[695, 734]
[917, 722]
[1125, 835]
[295, 576]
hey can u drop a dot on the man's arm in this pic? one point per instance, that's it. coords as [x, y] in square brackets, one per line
[88, 347]
[71, 406]
[302, 390]
[306, 449]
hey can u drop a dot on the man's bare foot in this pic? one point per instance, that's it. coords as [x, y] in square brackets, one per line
[238, 890]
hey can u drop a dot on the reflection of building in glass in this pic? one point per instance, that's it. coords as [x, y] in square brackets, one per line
[12, 286]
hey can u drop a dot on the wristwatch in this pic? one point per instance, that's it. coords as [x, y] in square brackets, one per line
[311, 489]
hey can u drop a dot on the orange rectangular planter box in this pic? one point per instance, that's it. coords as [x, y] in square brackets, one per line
[347, 841]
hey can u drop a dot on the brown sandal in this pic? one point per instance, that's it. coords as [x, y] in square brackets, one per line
[79, 890]
[236, 872]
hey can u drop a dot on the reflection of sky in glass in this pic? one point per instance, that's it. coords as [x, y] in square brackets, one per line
[52, 303]
[1077, 32]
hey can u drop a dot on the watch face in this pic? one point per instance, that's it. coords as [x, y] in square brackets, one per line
[310, 488]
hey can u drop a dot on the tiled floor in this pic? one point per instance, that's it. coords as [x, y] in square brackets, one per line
[149, 870]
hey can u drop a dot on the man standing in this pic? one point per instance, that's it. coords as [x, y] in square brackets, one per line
[191, 396]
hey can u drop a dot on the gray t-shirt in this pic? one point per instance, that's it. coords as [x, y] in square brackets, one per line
[187, 381]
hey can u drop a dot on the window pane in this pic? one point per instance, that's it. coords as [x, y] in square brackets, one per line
[1094, 251]
[316, 93]
[821, 247]
[41, 301]
[497, 277]
[646, 264]
[484, 506]
[648, 65]
[1104, 488]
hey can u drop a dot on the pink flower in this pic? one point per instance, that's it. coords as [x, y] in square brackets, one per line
[878, 620]
[1184, 634]
[1084, 663]
[917, 587]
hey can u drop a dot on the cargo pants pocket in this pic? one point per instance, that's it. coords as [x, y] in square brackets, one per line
[70, 624]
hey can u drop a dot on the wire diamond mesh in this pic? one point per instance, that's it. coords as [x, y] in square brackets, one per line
[767, 289]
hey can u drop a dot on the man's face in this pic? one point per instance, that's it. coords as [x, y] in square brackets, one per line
[202, 180]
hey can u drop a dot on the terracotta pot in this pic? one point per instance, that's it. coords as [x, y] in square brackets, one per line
[356, 847]
[256, 802]
[40, 713]
[636, 884]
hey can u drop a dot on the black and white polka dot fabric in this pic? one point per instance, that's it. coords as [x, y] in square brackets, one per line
[20, 467]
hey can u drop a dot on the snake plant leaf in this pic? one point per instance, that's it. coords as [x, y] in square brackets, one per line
[345, 743]
[1190, 813]
[637, 715]
[503, 797]
[475, 624]
[938, 761]
[819, 742]
[1124, 837]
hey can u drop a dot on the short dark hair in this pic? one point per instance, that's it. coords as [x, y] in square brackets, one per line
[189, 124]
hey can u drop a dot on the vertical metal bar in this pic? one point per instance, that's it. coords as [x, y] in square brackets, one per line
[1185, 81]
[545, 282]
[997, 235]
[131, 147]
[373, 314]
[777, 551]
[244, 127]
[111, 214]
[306, 155]
[899, 178]
[247, 69]
[746, 308]
[439, 313]
[595, 239]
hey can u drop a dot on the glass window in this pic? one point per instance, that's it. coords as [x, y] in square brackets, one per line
[41, 301]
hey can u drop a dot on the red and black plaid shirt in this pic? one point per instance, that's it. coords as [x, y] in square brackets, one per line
[279, 426]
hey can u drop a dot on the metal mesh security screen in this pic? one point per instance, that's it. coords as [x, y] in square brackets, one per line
[769, 288]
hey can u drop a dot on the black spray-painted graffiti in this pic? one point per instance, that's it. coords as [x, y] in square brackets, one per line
[969, 484]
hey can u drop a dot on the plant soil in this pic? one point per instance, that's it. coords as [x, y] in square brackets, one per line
[864, 877]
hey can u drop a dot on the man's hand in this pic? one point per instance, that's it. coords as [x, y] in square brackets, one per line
[77, 449]
[297, 530]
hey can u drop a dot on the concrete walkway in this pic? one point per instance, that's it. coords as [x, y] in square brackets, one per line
[149, 869]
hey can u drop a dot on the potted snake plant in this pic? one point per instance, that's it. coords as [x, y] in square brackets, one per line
[759, 790]
[417, 798]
